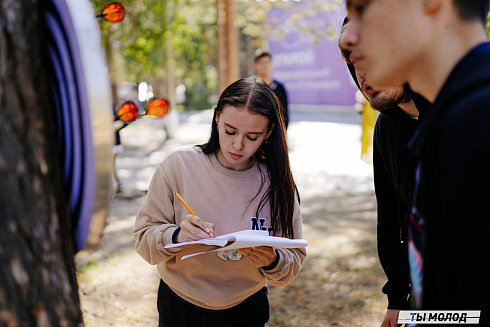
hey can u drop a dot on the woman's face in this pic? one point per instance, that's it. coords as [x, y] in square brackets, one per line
[241, 133]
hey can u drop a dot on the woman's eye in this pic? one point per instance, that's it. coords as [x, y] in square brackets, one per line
[233, 133]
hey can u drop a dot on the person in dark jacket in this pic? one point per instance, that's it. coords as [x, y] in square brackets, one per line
[442, 51]
[263, 66]
[394, 169]
[394, 176]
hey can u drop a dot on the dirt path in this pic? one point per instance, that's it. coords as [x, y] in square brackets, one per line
[339, 285]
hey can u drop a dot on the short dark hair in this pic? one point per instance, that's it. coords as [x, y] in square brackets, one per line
[259, 54]
[473, 9]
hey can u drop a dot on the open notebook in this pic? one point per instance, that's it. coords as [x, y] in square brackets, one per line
[236, 240]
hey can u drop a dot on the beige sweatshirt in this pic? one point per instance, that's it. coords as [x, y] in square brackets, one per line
[224, 197]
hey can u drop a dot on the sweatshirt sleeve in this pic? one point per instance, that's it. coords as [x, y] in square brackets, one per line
[290, 260]
[155, 221]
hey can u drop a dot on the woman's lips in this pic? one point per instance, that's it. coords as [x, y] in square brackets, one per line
[235, 156]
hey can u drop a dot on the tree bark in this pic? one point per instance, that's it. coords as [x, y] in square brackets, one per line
[221, 47]
[38, 285]
[232, 47]
[227, 38]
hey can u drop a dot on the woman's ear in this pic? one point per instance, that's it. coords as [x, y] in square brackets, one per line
[270, 131]
[216, 115]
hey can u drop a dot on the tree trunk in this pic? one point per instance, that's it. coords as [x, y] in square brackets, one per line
[38, 284]
[221, 46]
[227, 38]
[232, 46]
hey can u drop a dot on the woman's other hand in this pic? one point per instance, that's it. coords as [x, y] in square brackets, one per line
[260, 256]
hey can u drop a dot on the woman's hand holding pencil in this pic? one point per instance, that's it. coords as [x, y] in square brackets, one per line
[193, 228]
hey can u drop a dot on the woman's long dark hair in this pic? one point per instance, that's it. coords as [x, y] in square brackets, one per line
[253, 94]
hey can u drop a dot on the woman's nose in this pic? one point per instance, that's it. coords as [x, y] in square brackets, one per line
[238, 143]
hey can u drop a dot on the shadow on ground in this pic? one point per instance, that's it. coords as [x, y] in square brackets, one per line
[341, 279]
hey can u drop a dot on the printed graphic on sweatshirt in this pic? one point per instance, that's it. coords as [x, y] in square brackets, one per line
[230, 255]
[259, 224]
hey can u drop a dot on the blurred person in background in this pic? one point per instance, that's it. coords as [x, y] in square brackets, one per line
[263, 66]
[368, 121]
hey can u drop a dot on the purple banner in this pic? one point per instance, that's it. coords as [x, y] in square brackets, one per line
[310, 66]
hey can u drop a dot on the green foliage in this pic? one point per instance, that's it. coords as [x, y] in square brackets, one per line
[488, 25]
[175, 40]
[253, 18]
[139, 47]
[135, 45]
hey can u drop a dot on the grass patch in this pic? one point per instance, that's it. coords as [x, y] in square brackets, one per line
[81, 269]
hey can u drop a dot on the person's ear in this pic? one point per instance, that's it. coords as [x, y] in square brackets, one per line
[269, 132]
[216, 116]
[433, 6]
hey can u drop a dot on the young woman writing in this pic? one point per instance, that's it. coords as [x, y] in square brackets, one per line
[240, 179]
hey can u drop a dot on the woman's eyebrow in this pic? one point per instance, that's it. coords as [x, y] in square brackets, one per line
[230, 126]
